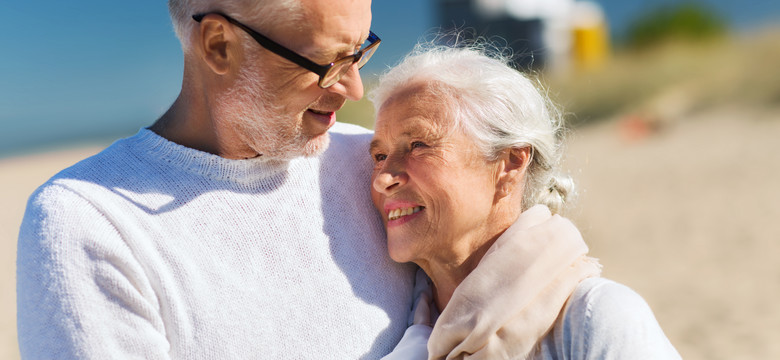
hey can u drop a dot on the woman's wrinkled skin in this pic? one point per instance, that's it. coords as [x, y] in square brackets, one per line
[442, 201]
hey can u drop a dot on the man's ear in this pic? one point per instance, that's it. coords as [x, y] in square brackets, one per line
[512, 166]
[215, 37]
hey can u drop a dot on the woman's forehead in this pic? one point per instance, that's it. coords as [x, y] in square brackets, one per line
[417, 99]
[412, 114]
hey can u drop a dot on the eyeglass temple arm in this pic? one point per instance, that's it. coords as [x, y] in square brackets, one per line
[273, 46]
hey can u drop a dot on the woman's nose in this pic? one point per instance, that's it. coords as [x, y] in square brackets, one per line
[388, 181]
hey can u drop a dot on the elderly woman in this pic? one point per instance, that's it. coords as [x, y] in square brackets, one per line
[466, 178]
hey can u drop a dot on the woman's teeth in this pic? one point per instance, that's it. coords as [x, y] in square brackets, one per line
[397, 213]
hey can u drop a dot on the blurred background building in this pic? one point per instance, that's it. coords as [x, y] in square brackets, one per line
[543, 34]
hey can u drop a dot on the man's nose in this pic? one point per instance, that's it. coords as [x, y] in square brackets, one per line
[350, 85]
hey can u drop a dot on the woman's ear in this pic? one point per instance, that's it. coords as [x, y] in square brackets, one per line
[512, 166]
[214, 39]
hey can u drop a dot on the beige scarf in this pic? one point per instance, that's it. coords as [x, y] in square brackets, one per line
[513, 297]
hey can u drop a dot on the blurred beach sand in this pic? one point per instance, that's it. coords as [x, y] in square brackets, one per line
[686, 215]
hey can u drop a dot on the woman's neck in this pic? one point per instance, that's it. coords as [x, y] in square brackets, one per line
[448, 270]
[446, 276]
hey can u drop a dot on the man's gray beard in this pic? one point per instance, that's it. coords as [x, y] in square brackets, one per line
[255, 114]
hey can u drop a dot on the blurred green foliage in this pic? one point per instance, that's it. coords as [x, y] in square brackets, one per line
[360, 112]
[357, 112]
[684, 21]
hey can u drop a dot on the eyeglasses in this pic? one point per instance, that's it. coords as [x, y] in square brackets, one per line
[330, 73]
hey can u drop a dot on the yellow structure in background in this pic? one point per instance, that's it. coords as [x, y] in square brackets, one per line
[590, 36]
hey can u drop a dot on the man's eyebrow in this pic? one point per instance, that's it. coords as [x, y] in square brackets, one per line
[334, 54]
[324, 53]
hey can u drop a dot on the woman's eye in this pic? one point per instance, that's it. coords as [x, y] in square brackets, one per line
[379, 157]
[417, 144]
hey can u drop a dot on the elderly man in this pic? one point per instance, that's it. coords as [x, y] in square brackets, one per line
[226, 229]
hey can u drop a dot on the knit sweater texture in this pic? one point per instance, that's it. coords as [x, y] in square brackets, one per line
[157, 251]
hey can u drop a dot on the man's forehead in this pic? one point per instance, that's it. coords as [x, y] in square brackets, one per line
[327, 27]
[328, 14]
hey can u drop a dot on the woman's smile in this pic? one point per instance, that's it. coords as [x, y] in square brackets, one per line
[401, 216]
[398, 212]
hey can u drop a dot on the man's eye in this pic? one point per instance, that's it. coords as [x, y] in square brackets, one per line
[379, 157]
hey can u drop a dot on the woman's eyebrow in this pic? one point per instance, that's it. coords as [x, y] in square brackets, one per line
[374, 145]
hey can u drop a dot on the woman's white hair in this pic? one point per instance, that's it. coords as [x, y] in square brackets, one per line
[266, 11]
[495, 104]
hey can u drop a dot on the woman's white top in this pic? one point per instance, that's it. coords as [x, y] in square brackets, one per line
[602, 320]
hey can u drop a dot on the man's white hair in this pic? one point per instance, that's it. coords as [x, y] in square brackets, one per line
[497, 106]
[253, 13]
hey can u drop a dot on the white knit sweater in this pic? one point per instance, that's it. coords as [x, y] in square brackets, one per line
[152, 250]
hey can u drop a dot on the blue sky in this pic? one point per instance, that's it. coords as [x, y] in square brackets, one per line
[86, 69]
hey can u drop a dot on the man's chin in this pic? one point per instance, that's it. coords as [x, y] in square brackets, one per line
[316, 145]
[300, 147]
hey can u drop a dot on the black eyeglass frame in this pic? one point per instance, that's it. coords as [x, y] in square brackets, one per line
[321, 70]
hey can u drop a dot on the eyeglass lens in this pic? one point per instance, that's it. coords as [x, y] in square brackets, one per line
[341, 67]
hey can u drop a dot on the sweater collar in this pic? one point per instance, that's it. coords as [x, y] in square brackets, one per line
[154, 146]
